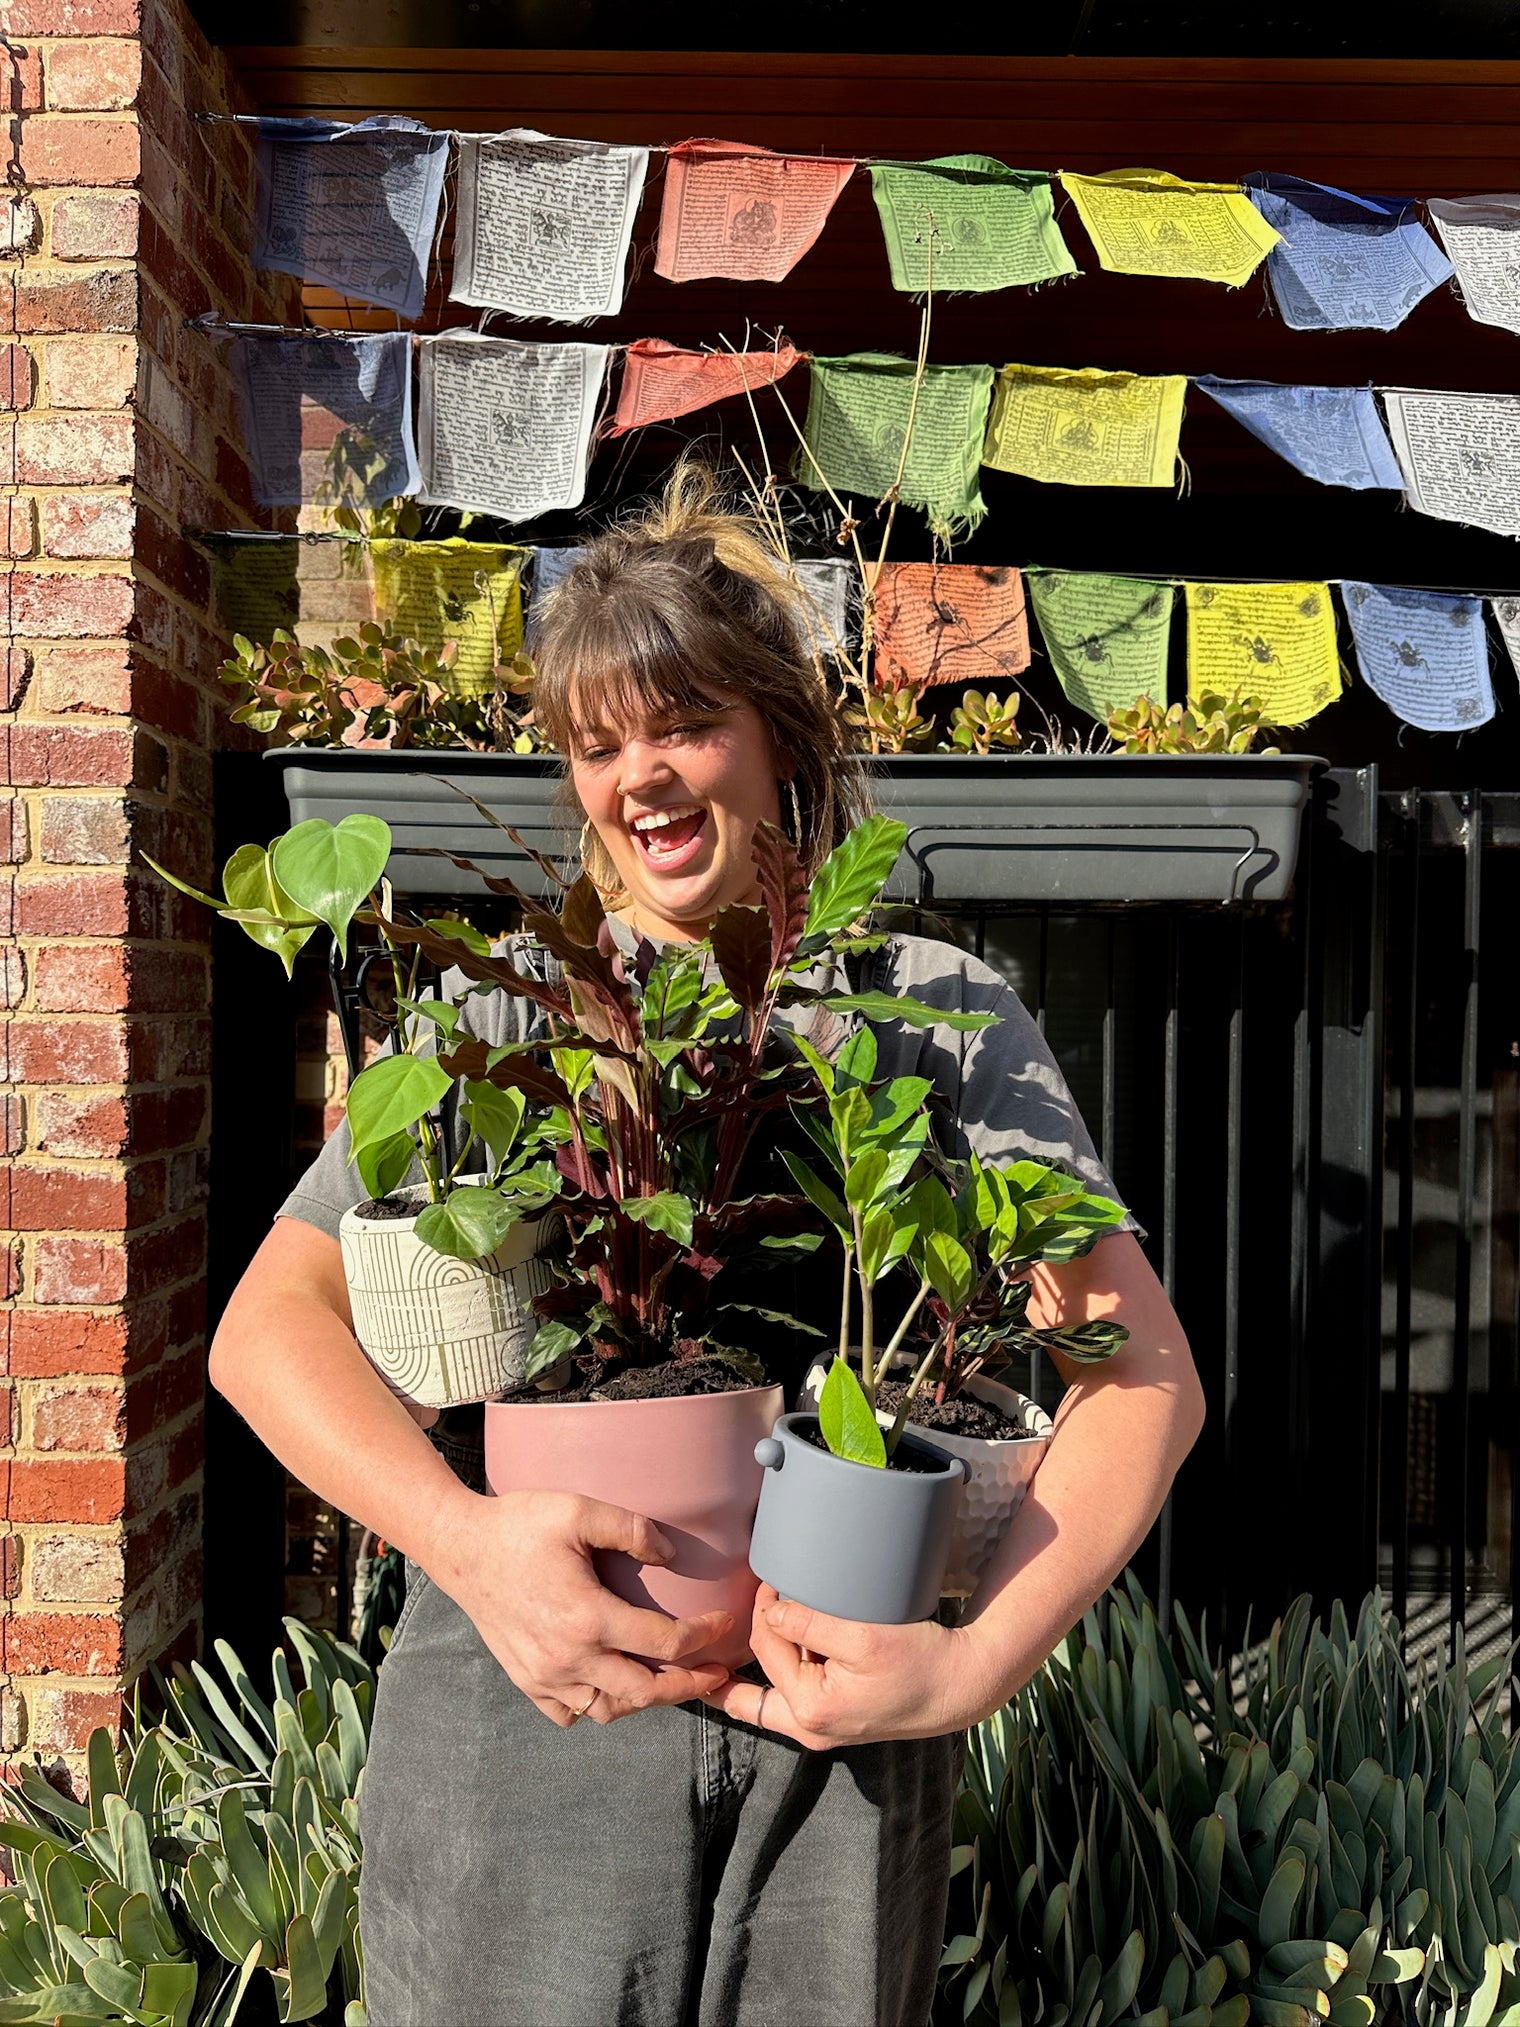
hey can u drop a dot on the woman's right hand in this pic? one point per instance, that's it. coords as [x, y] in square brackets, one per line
[520, 1564]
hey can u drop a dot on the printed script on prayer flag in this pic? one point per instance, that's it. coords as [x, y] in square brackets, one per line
[1146, 221]
[949, 623]
[826, 588]
[1333, 434]
[859, 410]
[986, 226]
[1425, 653]
[310, 405]
[742, 212]
[353, 208]
[660, 380]
[1272, 641]
[1084, 427]
[1482, 238]
[1459, 453]
[544, 224]
[1507, 613]
[1345, 262]
[465, 592]
[1106, 637]
[504, 427]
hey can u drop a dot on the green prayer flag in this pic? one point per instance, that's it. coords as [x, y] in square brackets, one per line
[859, 411]
[1107, 637]
[968, 222]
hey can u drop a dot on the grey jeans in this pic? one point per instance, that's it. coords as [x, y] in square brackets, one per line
[675, 1869]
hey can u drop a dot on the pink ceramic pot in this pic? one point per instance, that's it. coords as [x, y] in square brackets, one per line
[686, 1464]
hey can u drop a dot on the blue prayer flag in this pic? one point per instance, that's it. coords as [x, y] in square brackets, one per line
[1345, 262]
[353, 208]
[1333, 434]
[550, 569]
[1425, 653]
[291, 394]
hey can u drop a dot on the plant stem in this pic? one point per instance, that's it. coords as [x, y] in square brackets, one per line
[869, 1375]
[844, 1301]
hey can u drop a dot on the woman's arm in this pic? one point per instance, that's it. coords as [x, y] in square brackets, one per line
[1123, 1430]
[519, 1565]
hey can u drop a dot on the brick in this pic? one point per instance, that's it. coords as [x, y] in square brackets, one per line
[70, 1269]
[16, 377]
[10, 1566]
[20, 225]
[75, 17]
[12, 1721]
[86, 830]
[16, 666]
[75, 1569]
[10, 1268]
[78, 1418]
[18, 527]
[63, 1200]
[59, 604]
[75, 450]
[61, 1720]
[154, 1469]
[67, 1052]
[92, 679]
[58, 148]
[65, 1643]
[50, 1342]
[90, 372]
[82, 978]
[13, 831]
[23, 78]
[73, 904]
[12, 978]
[95, 225]
[89, 1126]
[12, 1123]
[89, 77]
[72, 756]
[159, 1398]
[66, 1488]
[60, 299]
[86, 526]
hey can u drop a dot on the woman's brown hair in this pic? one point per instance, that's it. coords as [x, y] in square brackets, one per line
[662, 611]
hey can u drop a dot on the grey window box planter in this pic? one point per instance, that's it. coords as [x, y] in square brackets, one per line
[1084, 828]
[409, 791]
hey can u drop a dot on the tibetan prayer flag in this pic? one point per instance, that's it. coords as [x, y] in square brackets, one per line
[1425, 653]
[1345, 262]
[465, 592]
[1145, 221]
[1333, 434]
[968, 222]
[326, 419]
[1507, 613]
[1083, 427]
[825, 588]
[315, 588]
[503, 427]
[660, 380]
[1459, 453]
[544, 224]
[1272, 641]
[741, 212]
[1482, 239]
[1107, 637]
[859, 412]
[352, 208]
[949, 623]
[550, 569]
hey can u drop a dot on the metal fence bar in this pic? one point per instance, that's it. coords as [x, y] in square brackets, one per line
[1234, 1084]
[1110, 1051]
[1171, 1080]
[1467, 1158]
[1404, 1005]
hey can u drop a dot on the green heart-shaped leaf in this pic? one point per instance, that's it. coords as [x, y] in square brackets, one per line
[391, 1096]
[328, 869]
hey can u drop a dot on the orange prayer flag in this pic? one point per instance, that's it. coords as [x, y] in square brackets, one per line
[661, 381]
[949, 623]
[742, 212]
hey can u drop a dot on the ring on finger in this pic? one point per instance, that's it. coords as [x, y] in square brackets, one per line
[760, 1707]
[585, 1706]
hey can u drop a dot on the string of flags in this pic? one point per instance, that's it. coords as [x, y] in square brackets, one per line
[1107, 636]
[507, 427]
[545, 224]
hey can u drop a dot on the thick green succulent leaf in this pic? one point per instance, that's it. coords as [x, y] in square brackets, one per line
[847, 1420]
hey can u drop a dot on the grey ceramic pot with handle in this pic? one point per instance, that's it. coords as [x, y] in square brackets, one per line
[854, 1540]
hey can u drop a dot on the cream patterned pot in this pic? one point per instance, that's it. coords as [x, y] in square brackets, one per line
[999, 1471]
[442, 1330]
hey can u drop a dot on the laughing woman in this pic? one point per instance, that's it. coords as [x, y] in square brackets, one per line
[706, 1851]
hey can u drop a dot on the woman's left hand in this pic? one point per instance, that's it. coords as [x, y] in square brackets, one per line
[840, 1682]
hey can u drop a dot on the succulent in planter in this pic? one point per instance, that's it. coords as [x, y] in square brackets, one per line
[1210, 723]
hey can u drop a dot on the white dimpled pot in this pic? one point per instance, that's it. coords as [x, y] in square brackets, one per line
[442, 1330]
[999, 1471]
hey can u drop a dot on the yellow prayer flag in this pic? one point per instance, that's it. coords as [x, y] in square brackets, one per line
[1084, 427]
[1272, 641]
[466, 592]
[1146, 221]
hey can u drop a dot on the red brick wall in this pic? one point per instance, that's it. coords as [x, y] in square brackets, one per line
[129, 218]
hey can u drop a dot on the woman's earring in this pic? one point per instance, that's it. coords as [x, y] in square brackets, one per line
[791, 785]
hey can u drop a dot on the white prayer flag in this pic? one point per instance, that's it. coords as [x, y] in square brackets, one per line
[825, 588]
[544, 224]
[1482, 240]
[505, 428]
[1459, 453]
[1507, 613]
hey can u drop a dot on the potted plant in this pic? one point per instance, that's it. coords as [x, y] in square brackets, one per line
[440, 1271]
[969, 1235]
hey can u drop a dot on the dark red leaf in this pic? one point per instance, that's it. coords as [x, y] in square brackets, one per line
[785, 887]
[741, 942]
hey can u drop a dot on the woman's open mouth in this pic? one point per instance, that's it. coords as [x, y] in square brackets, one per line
[669, 838]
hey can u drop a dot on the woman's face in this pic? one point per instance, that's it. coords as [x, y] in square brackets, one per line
[675, 798]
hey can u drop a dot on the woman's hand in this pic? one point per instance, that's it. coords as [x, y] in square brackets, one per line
[838, 1682]
[520, 1565]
